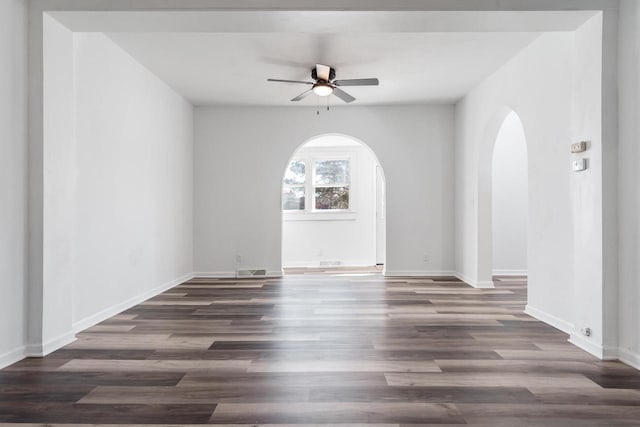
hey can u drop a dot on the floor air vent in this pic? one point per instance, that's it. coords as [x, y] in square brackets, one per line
[330, 263]
[260, 272]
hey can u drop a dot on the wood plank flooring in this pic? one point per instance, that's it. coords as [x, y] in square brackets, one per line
[323, 347]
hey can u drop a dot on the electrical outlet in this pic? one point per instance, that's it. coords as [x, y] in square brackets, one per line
[238, 258]
[579, 165]
[586, 332]
[425, 257]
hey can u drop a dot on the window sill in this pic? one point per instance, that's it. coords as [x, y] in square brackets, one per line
[320, 216]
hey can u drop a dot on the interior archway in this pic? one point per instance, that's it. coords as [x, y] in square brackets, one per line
[485, 237]
[333, 205]
[509, 191]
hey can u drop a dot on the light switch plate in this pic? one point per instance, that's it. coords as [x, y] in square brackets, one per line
[579, 147]
[579, 165]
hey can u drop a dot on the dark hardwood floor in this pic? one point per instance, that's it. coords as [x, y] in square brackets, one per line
[348, 348]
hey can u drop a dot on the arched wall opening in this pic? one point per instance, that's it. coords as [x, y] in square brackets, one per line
[504, 126]
[333, 205]
[510, 193]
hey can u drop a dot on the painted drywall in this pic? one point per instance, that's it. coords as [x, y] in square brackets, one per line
[242, 216]
[536, 84]
[628, 176]
[53, 328]
[555, 87]
[348, 238]
[510, 194]
[13, 179]
[134, 179]
[587, 192]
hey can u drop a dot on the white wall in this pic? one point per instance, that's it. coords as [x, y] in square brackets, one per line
[536, 84]
[52, 301]
[134, 178]
[587, 193]
[414, 145]
[381, 217]
[555, 86]
[628, 178]
[510, 193]
[13, 179]
[347, 238]
[110, 184]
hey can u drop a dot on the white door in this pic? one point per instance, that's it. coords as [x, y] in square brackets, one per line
[381, 217]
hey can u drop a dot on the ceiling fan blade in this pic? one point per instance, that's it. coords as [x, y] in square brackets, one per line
[289, 81]
[323, 72]
[343, 95]
[357, 82]
[302, 95]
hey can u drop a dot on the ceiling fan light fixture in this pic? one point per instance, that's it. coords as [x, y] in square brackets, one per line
[322, 89]
[324, 84]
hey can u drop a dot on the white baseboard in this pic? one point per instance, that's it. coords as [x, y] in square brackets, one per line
[94, 319]
[484, 285]
[510, 272]
[591, 347]
[317, 264]
[550, 319]
[42, 349]
[474, 283]
[214, 274]
[418, 273]
[231, 274]
[598, 350]
[629, 357]
[12, 356]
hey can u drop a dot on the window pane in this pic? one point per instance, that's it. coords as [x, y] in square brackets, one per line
[332, 172]
[295, 173]
[293, 199]
[332, 197]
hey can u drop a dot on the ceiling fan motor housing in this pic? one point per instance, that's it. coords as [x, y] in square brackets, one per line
[332, 74]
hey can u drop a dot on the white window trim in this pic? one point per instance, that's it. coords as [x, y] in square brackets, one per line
[310, 213]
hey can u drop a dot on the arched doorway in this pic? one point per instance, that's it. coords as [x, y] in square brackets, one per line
[333, 205]
[510, 204]
[505, 125]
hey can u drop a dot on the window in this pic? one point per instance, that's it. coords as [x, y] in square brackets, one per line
[293, 190]
[328, 182]
[331, 184]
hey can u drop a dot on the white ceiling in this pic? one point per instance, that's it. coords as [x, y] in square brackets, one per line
[386, 21]
[225, 57]
[232, 69]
